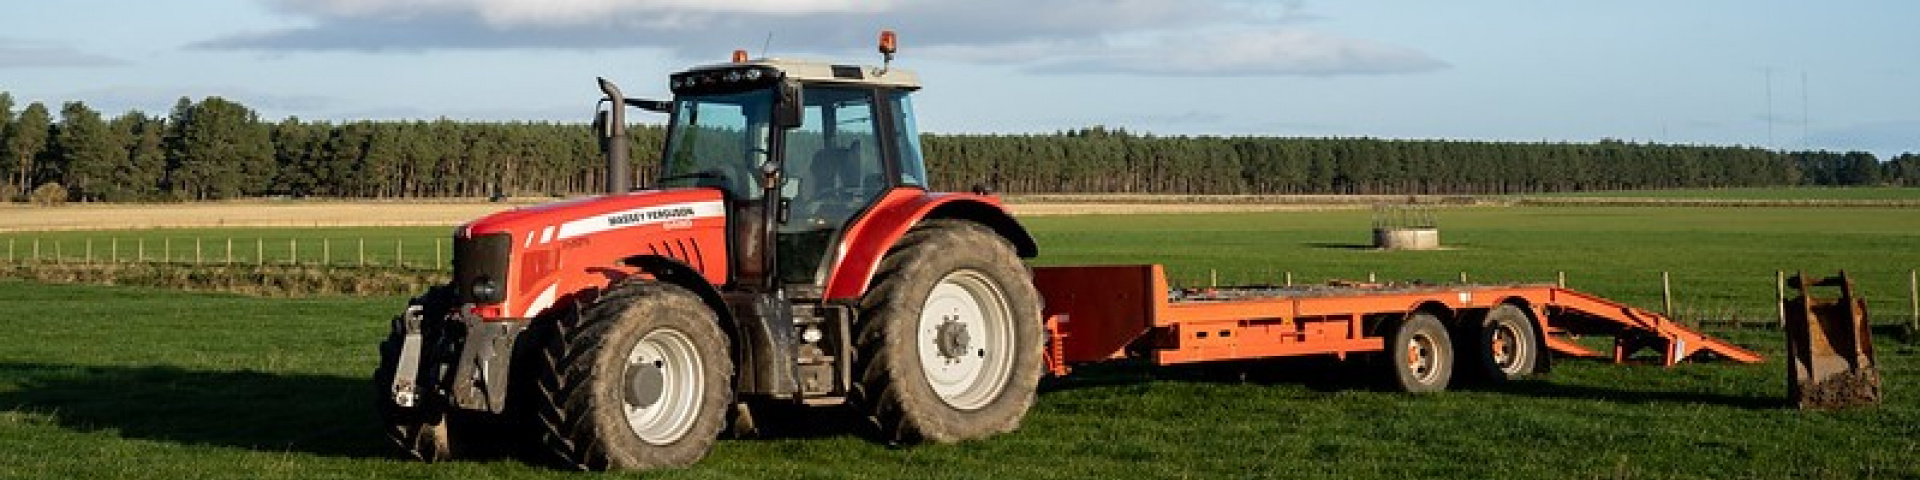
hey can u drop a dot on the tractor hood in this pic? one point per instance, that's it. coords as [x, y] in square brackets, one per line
[565, 220]
[517, 263]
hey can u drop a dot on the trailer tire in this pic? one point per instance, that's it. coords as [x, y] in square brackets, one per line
[922, 374]
[426, 431]
[1420, 355]
[641, 379]
[1505, 344]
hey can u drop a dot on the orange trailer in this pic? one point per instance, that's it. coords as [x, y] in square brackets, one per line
[1099, 313]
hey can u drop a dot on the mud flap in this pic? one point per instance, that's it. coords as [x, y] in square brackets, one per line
[1829, 347]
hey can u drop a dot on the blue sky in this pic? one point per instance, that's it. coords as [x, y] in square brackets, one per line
[1841, 74]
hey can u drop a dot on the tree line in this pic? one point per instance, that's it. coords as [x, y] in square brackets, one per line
[215, 148]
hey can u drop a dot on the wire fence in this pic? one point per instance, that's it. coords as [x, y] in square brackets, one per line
[415, 253]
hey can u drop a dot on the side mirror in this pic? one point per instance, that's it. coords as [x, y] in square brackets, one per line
[788, 106]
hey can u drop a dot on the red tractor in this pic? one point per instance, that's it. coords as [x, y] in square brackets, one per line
[790, 253]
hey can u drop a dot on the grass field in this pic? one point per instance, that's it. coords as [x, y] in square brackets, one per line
[103, 382]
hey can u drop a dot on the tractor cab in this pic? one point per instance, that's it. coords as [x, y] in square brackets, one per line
[801, 146]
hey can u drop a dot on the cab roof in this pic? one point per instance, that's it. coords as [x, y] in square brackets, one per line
[821, 72]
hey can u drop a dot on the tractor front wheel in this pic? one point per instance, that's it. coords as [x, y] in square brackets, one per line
[639, 380]
[950, 340]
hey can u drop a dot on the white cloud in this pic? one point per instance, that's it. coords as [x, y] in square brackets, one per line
[1151, 37]
[16, 53]
[1287, 51]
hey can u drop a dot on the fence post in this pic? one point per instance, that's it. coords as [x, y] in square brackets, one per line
[1463, 278]
[293, 251]
[166, 250]
[1780, 298]
[1289, 278]
[1561, 279]
[9, 250]
[1913, 295]
[229, 250]
[1370, 278]
[397, 256]
[140, 251]
[89, 257]
[57, 254]
[1666, 294]
[260, 251]
[363, 251]
[196, 251]
[436, 253]
[36, 250]
[326, 251]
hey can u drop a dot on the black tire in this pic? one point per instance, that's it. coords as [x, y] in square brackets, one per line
[986, 385]
[1420, 354]
[587, 382]
[1506, 345]
[425, 431]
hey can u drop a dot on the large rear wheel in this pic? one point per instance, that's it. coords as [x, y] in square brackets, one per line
[950, 341]
[639, 380]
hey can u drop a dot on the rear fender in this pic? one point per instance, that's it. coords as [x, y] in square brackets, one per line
[868, 239]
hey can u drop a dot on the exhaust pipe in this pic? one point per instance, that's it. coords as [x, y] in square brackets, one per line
[613, 139]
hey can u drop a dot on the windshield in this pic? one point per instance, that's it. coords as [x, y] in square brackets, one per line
[718, 140]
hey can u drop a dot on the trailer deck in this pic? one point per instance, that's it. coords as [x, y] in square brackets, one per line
[1099, 313]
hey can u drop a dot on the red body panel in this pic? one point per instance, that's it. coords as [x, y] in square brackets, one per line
[561, 248]
[869, 237]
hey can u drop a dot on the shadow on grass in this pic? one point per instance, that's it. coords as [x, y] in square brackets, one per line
[1326, 374]
[1341, 246]
[318, 414]
[1323, 374]
[1547, 389]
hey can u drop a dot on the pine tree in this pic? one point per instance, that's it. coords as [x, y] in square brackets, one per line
[85, 155]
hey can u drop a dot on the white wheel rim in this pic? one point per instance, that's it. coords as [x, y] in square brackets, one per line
[1422, 358]
[965, 340]
[1506, 348]
[666, 412]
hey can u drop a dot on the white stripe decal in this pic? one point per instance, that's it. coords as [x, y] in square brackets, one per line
[641, 216]
[546, 235]
[541, 302]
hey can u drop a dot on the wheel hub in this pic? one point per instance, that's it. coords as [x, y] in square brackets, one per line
[951, 339]
[645, 382]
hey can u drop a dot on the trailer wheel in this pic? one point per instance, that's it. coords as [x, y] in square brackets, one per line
[425, 430]
[1419, 354]
[950, 342]
[639, 380]
[1506, 344]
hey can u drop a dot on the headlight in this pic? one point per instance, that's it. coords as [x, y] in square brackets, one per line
[485, 290]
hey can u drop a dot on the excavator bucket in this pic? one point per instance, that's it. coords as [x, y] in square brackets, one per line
[1829, 347]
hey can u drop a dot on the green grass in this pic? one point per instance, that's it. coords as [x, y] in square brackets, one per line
[1769, 193]
[106, 382]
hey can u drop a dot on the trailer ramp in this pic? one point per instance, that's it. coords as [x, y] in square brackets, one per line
[1574, 313]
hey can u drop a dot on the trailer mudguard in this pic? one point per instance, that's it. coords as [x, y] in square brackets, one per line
[874, 232]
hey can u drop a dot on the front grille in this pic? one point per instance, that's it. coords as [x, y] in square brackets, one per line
[481, 258]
